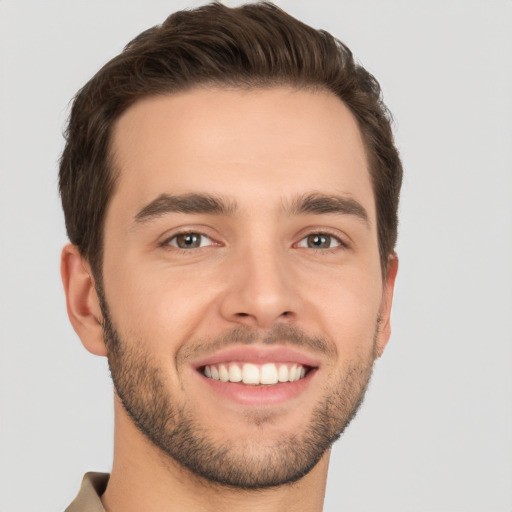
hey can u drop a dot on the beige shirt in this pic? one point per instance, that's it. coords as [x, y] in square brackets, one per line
[88, 499]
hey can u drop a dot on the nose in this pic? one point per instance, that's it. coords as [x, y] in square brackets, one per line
[260, 290]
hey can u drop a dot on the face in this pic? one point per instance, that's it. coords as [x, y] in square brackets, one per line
[243, 299]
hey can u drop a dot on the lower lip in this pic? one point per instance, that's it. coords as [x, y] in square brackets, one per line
[259, 395]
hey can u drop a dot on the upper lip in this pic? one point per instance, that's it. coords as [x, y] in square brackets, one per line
[258, 355]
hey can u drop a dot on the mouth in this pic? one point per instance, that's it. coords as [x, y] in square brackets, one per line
[268, 374]
[258, 375]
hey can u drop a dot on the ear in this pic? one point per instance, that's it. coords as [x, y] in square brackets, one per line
[81, 300]
[384, 328]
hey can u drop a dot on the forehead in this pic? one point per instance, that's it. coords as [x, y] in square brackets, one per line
[246, 144]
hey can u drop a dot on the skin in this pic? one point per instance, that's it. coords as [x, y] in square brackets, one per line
[261, 149]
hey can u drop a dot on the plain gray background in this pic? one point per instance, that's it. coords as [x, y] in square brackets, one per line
[435, 432]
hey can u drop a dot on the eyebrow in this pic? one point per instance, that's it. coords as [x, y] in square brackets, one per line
[318, 203]
[186, 203]
[313, 203]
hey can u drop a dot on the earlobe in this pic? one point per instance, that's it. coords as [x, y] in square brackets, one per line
[82, 300]
[384, 328]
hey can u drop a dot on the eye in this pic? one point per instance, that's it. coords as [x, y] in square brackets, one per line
[319, 241]
[189, 241]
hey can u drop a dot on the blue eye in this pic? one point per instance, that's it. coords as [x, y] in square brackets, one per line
[319, 241]
[189, 241]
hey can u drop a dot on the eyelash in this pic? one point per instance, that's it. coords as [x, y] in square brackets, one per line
[340, 243]
[167, 242]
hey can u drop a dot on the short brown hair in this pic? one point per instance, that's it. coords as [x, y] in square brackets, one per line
[255, 45]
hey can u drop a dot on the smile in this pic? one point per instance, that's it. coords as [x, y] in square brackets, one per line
[253, 374]
[257, 375]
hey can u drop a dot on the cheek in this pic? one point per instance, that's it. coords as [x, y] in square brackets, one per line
[160, 306]
[348, 307]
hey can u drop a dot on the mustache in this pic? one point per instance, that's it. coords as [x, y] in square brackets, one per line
[284, 334]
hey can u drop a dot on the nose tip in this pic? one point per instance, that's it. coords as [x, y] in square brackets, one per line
[265, 319]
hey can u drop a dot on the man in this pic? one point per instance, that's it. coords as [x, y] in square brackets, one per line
[230, 186]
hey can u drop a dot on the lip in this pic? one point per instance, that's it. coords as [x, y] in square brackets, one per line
[259, 395]
[258, 355]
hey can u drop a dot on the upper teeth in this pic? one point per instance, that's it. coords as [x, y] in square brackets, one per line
[248, 373]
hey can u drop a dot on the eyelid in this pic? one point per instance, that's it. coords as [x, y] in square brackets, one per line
[341, 238]
[202, 235]
[337, 241]
[164, 240]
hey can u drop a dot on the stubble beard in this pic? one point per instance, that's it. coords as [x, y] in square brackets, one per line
[177, 431]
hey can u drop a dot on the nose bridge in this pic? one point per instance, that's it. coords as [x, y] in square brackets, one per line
[260, 289]
[267, 275]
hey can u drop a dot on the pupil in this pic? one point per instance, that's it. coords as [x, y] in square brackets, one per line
[188, 240]
[317, 241]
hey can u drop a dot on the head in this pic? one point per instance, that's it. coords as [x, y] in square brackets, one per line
[249, 47]
[230, 187]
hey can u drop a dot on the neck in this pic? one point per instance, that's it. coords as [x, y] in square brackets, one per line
[144, 478]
